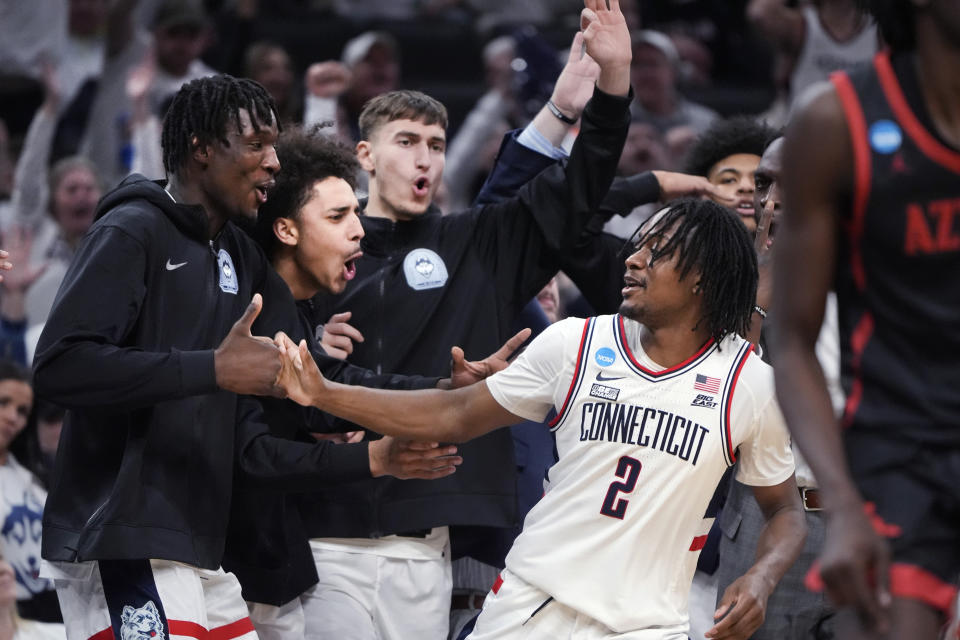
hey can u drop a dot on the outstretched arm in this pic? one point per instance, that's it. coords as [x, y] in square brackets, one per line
[429, 414]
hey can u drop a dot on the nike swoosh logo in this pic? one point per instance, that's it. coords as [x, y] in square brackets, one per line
[603, 378]
[174, 267]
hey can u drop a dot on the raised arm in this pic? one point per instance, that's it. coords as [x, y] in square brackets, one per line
[818, 179]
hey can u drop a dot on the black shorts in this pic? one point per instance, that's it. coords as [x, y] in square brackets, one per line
[913, 491]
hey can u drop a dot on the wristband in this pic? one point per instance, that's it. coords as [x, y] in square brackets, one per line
[560, 114]
[760, 310]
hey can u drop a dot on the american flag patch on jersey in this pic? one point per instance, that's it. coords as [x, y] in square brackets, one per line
[706, 383]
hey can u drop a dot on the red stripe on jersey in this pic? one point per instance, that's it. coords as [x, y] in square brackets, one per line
[106, 634]
[576, 374]
[698, 543]
[858, 342]
[928, 144]
[857, 125]
[187, 628]
[232, 630]
[497, 584]
[626, 348]
[726, 411]
[916, 583]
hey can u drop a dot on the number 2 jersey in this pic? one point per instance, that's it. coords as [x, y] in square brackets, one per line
[640, 451]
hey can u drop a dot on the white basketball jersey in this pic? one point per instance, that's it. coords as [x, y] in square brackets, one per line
[619, 530]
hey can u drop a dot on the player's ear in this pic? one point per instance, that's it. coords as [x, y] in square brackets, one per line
[286, 231]
[365, 155]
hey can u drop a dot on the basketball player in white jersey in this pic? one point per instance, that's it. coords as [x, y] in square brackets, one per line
[653, 404]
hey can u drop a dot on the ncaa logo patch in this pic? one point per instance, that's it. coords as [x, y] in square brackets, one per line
[424, 269]
[885, 136]
[228, 275]
[605, 356]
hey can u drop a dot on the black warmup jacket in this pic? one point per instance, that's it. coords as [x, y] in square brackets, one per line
[427, 284]
[148, 448]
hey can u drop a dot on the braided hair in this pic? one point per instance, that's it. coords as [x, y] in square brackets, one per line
[712, 241]
[307, 157]
[203, 108]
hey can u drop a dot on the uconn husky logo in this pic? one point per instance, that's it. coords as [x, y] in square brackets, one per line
[21, 542]
[424, 269]
[136, 624]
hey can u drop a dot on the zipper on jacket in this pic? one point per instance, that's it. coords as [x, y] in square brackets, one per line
[216, 270]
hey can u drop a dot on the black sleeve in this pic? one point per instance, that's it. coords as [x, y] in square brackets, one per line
[273, 462]
[626, 194]
[521, 238]
[78, 362]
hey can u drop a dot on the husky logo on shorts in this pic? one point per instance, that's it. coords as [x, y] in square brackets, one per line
[228, 275]
[424, 269]
[144, 622]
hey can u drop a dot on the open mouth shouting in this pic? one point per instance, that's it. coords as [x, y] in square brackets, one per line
[350, 266]
[262, 190]
[421, 187]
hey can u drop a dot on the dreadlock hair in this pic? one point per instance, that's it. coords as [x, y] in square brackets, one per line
[727, 137]
[202, 109]
[714, 242]
[307, 157]
[895, 20]
[400, 105]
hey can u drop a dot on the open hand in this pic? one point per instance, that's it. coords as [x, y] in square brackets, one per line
[607, 40]
[299, 378]
[405, 459]
[245, 363]
[465, 372]
[327, 79]
[574, 86]
[675, 185]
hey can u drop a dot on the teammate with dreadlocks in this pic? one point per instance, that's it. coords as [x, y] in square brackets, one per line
[872, 195]
[653, 404]
[159, 419]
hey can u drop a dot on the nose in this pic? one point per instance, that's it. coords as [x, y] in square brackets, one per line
[746, 185]
[270, 160]
[422, 156]
[356, 228]
[639, 259]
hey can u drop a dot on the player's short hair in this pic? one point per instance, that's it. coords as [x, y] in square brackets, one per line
[714, 242]
[203, 108]
[727, 137]
[307, 157]
[400, 105]
[895, 20]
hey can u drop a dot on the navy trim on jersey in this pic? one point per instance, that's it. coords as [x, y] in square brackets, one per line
[726, 401]
[577, 374]
[656, 376]
[130, 583]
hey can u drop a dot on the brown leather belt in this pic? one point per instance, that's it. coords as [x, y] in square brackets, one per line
[810, 496]
[470, 601]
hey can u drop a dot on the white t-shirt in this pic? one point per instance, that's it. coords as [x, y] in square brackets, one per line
[21, 511]
[31, 630]
[641, 450]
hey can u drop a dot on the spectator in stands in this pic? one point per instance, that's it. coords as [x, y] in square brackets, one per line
[373, 59]
[269, 64]
[12, 626]
[815, 38]
[21, 500]
[655, 73]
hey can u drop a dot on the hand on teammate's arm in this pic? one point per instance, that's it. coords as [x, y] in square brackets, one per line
[675, 185]
[743, 606]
